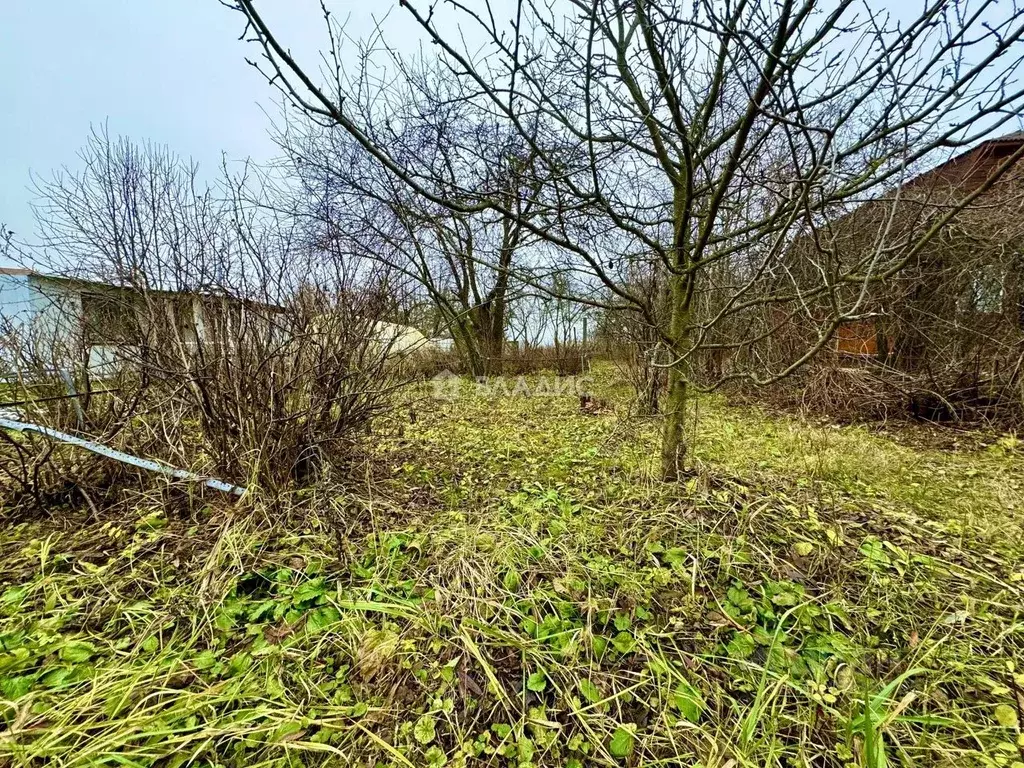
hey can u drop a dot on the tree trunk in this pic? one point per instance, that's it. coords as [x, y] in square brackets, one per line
[881, 343]
[491, 343]
[673, 439]
[652, 394]
[468, 344]
[496, 331]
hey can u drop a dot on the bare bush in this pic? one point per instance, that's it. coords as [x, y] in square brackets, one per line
[283, 391]
[263, 354]
[865, 391]
[47, 381]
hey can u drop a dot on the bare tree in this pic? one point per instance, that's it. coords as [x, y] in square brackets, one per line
[703, 138]
[463, 261]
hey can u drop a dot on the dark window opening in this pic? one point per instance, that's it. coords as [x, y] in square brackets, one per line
[109, 319]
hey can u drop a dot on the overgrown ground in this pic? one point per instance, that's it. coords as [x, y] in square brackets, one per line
[505, 582]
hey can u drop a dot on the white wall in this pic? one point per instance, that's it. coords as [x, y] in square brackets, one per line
[38, 318]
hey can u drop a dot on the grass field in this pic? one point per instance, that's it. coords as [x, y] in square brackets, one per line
[503, 581]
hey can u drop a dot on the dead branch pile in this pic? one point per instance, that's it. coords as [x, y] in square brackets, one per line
[878, 393]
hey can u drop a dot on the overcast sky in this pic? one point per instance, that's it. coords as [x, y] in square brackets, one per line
[167, 71]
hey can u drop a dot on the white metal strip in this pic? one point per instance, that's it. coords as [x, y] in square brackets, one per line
[126, 458]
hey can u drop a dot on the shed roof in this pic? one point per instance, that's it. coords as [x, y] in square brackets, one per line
[1009, 137]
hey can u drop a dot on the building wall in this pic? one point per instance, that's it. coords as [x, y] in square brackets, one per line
[49, 321]
[44, 318]
[38, 321]
[859, 338]
[18, 301]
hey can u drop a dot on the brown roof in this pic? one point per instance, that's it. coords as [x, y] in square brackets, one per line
[971, 168]
[1014, 137]
[15, 271]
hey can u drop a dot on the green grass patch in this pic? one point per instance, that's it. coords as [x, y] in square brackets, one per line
[504, 582]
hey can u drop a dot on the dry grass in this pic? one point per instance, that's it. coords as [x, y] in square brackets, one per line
[505, 583]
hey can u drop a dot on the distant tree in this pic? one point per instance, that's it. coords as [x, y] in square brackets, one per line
[464, 261]
[701, 138]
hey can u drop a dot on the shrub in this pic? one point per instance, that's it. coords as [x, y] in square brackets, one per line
[232, 344]
[48, 382]
[281, 391]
